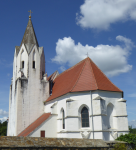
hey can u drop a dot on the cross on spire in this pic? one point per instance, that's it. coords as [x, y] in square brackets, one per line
[30, 13]
[87, 54]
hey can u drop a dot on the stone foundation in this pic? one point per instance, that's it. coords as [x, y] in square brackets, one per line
[23, 143]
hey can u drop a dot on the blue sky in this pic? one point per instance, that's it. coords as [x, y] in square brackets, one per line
[68, 30]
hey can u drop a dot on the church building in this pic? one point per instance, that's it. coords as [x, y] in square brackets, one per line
[81, 102]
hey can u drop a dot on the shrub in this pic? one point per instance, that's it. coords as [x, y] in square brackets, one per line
[129, 138]
[120, 146]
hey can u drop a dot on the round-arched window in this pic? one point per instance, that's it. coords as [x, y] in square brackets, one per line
[84, 117]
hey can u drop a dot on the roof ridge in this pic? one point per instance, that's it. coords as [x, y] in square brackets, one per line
[93, 73]
[79, 76]
[71, 67]
[106, 76]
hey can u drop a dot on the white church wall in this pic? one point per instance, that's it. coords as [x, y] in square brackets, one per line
[49, 126]
[122, 123]
[121, 109]
[69, 135]
[72, 124]
[12, 101]
[28, 105]
[98, 135]
[96, 107]
[97, 123]
[72, 104]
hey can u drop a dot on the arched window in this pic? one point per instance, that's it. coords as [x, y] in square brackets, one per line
[34, 60]
[63, 119]
[85, 117]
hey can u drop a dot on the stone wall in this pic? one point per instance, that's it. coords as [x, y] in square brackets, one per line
[53, 143]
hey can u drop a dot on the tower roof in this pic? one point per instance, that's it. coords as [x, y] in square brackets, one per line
[29, 38]
[84, 76]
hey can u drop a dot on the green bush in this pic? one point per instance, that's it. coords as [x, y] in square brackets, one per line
[132, 130]
[120, 146]
[129, 138]
[3, 128]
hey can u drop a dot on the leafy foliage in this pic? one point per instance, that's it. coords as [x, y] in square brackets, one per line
[132, 130]
[3, 128]
[129, 138]
[120, 146]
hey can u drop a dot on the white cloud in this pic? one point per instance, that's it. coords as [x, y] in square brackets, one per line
[112, 60]
[132, 95]
[8, 74]
[3, 119]
[3, 113]
[99, 14]
[132, 123]
[62, 68]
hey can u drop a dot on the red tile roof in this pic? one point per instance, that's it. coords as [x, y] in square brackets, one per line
[84, 76]
[35, 124]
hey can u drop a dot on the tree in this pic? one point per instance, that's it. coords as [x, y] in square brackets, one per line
[3, 128]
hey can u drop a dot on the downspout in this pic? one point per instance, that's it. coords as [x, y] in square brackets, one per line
[92, 114]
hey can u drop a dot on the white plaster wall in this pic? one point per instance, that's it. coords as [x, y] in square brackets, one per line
[12, 101]
[32, 94]
[119, 109]
[72, 124]
[28, 95]
[73, 117]
[72, 113]
[98, 135]
[96, 107]
[49, 126]
[122, 123]
[69, 135]
[97, 120]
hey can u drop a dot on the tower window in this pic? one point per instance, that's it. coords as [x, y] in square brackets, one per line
[34, 60]
[85, 117]
[22, 64]
[34, 64]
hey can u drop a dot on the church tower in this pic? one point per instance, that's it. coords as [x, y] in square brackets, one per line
[29, 87]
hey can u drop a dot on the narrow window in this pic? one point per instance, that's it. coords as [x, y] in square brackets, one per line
[63, 119]
[42, 133]
[34, 60]
[85, 117]
[34, 64]
[22, 64]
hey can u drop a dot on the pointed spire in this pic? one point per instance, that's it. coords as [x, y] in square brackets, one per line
[29, 38]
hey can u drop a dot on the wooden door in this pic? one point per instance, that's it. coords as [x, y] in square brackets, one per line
[42, 133]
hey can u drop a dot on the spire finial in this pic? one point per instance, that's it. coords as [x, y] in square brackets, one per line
[87, 54]
[30, 14]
